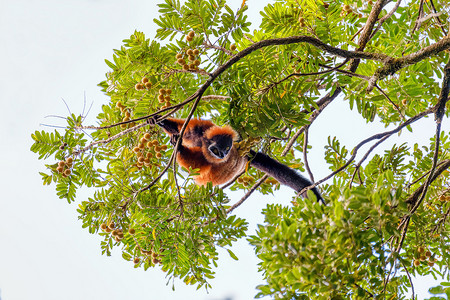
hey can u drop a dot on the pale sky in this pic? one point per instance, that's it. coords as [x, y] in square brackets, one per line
[53, 50]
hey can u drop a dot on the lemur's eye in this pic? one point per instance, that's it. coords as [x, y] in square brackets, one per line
[228, 148]
[215, 151]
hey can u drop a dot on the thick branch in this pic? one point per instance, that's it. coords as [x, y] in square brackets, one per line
[414, 197]
[393, 65]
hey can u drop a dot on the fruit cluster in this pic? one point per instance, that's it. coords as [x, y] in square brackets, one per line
[126, 115]
[444, 198]
[111, 228]
[243, 147]
[190, 36]
[164, 97]
[64, 167]
[192, 56]
[271, 181]
[144, 84]
[63, 146]
[346, 10]
[245, 180]
[155, 257]
[145, 149]
[423, 255]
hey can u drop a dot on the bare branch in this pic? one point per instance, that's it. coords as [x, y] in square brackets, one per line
[373, 137]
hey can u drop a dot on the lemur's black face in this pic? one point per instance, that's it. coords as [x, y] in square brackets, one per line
[220, 146]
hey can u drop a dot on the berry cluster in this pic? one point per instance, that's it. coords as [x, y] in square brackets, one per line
[64, 167]
[423, 255]
[346, 10]
[192, 56]
[190, 36]
[126, 115]
[111, 228]
[145, 149]
[155, 257]
[243, 147]
[63, 146]
[144, 84]
[164, 97]
[444, 198]
[246, 180]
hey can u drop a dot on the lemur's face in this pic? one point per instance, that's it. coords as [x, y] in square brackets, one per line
[220, 146]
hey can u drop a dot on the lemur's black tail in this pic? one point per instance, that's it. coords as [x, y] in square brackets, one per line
[282, 173]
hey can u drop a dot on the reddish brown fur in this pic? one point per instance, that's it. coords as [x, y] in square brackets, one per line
[195, 154]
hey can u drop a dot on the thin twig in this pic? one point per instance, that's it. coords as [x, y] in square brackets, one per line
[410, 280]
[389, 99]
[437, 18]
[387, 16]
[373, 137]
[305, 154]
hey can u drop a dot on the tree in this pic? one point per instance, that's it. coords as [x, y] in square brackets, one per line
[387, 215]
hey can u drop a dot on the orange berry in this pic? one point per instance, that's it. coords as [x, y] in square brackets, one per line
[178, 56]
[148, 85]
[147, 136]
[144, 80]
[69, 160]
[103, 226]
[190, 52]
[112, 226]
[158, 155]
[196, 52]
[233, 47]
[139, 86]
[185, 67]
[131, 231]
[181, 61]
[136, 260]
[67, 172]
[191, 33]
[416, 263]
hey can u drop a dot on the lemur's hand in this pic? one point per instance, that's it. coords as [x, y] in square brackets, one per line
[152, 120]
[174, 138]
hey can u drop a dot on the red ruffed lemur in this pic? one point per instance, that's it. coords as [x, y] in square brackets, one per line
[209, 148]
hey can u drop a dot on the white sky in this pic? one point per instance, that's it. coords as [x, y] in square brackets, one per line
[52, 50]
